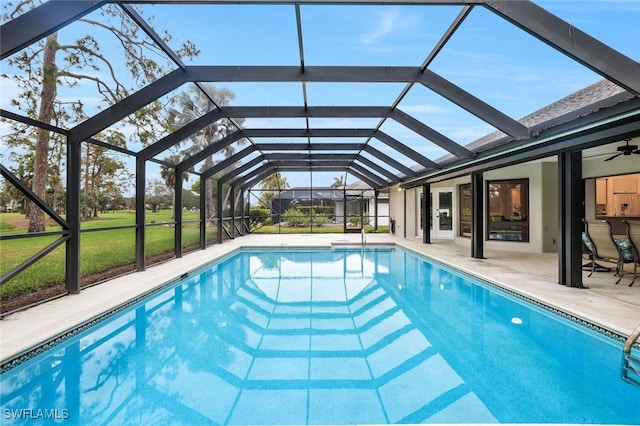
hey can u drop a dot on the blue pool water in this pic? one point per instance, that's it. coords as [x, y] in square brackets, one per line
[337, 336]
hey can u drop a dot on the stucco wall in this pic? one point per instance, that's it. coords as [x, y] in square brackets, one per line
[396, 207]
[412, 209]
[383, 212]
[543, 200]
[412, 215]
[543, 206]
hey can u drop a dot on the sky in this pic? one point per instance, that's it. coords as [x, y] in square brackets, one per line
[488, 57]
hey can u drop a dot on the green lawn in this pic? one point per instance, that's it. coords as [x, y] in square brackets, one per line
[102, 250]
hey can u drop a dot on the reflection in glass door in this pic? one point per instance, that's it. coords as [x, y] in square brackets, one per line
[440, 214]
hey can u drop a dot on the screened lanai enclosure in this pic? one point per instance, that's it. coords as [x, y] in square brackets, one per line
[350, 208]
[139, 107]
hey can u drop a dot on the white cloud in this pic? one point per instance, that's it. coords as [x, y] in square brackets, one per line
[385, 25]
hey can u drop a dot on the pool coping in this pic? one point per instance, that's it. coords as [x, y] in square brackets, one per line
[163, 276]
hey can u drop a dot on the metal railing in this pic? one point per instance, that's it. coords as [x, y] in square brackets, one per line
[630, 368]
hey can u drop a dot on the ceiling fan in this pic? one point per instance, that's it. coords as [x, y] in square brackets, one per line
[625, 150]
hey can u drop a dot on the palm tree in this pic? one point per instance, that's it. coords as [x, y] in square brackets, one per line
[168, 175]
[273, 182]
[193, 104]
[338, 181]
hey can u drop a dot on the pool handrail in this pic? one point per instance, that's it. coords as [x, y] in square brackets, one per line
[631, 363]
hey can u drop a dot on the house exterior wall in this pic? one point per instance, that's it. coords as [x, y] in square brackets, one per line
[339, 210]
[549, 182]
[413, 207]
[396, 209]
[383, 212]
[412, 210]
[543, 207]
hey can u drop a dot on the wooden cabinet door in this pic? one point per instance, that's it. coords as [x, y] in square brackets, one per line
[601, 191]
[624, 184]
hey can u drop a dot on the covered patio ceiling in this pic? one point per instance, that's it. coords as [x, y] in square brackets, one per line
[374, 133]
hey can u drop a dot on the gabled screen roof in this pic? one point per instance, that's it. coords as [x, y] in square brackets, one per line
[385, 92]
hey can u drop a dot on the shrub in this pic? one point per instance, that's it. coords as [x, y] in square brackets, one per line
[320, 220]
[295, 218]
[259, 217]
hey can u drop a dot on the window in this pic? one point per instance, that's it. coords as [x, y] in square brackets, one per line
[508, 210]
[464, 216]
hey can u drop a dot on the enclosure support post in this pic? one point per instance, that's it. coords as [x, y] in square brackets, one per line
[247, 208]
[344, 209]
[232, 197]
[311, 213]
[404, 218]
[242, 212]
[376, 194]
[279, 211]
[361, 203]
[426, 213]
[72, 267]
[177, 209]
[140, 229]
[477, 210]
[220, 212]
[203, 213]
[570, 203]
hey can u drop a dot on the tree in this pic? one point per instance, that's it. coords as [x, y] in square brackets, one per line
[274, 181]
[168, 174]
[270, 184]
[338, 182]
[156, 195]
[190, 200]
[11, 199]
[100, 169]
[194, 104]
[110, 197]
[49, 64]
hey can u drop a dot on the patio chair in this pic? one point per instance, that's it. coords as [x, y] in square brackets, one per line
[603, 245]
[587, 254]
[633, 234]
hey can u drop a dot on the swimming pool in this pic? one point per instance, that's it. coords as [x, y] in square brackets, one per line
[326, 336]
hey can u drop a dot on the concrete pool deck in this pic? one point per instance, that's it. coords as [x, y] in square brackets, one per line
[534, 275]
